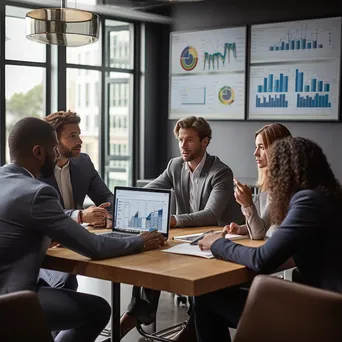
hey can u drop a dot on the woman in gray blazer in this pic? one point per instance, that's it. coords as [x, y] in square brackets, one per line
[256, 211]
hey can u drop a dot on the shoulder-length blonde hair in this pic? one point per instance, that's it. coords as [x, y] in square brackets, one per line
[269, 134]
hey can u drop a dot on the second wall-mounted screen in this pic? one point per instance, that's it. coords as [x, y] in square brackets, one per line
[207, 74]
[295, 70]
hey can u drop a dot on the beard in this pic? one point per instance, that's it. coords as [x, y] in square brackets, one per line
[66, 153]
[48, 168]
[192, 155]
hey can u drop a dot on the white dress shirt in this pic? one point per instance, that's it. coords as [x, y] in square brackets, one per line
[193, 186]
[62, 175]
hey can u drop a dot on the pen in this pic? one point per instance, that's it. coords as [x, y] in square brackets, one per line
[194, 242]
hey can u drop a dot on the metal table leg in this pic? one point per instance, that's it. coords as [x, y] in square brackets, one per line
[116, 335]
[115, 323]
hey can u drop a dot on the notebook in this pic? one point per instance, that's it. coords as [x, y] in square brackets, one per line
[187, 249]
[137, 210]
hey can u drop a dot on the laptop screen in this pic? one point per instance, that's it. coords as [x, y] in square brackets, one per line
[137, 210]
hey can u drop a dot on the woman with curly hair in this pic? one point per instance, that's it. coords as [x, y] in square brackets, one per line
[258, 223]
[305, 201]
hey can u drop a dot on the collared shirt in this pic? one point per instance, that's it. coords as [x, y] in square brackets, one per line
[193, 187]
[62, 175]
[194, 179]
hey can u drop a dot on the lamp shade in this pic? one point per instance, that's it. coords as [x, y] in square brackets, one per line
[62, 26]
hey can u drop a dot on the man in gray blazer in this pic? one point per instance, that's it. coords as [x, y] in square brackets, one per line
[31, 217]
[204, 196]
[74, 178]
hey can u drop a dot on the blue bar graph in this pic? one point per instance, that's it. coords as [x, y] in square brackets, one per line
[297, 39]
[312, 86]
[275, 101]
[152, 220]
[320, 85]
[316, 101]
[272, 85]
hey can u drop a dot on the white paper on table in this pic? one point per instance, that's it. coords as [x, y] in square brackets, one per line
[187, 249]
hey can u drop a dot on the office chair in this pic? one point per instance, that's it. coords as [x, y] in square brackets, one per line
[283, 311]
[22, 318]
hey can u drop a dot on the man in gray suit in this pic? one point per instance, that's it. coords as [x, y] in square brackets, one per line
[74, 178]
[204, 196]
[31, 217]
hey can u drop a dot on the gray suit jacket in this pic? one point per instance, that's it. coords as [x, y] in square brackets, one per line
[85, 180]
[30, 216]
[215, 195]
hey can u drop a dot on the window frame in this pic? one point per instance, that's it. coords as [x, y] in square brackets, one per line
[60, 93]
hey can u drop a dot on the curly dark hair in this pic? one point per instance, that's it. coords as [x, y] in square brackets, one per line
[61, 118]
[296, 164]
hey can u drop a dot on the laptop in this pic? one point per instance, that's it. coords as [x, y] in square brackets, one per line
[137, 210]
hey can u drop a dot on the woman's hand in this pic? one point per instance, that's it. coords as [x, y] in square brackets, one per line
[234, 228]
[243, 194]
[209, 239]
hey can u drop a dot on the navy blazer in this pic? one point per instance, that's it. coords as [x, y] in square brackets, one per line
[85, 180]
[311, 233]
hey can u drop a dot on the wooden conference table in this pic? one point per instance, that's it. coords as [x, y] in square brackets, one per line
[187, 275]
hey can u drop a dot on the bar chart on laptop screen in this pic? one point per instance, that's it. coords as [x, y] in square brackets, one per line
[142, 212]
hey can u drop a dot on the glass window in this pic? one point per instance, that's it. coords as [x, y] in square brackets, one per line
[97, 94]
[119, 51]
[118, 171]
[88, 113]
[24, 98]
[85, 55]
[79, 94]
[119, 110]
[18, 47]
[117, 175]
[112, 96]
[116, 94]
[87, 126]
[87, 86]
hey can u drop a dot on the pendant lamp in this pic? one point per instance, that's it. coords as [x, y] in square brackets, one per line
[62, 26]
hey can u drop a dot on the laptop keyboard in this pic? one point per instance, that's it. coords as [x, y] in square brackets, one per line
[118, 235]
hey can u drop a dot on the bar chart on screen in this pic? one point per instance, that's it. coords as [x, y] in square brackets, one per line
[294, 91]
[295, 70]
[142, 213]
[297, 40]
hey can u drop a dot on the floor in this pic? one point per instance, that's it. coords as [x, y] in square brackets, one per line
[168, 313]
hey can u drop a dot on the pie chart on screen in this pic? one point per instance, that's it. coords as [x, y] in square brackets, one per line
[189, 58]
[226, 95]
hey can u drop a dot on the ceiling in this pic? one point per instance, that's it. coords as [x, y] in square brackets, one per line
[142, 10]
[137, 4]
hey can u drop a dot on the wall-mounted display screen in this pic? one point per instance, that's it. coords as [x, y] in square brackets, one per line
[294, 71]
[207, 74]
